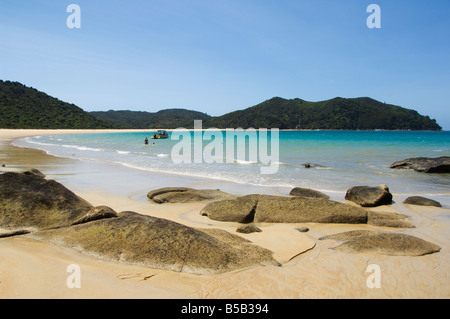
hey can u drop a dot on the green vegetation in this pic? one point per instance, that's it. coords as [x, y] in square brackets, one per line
[25, 107]
[338, 113]
[167, 119]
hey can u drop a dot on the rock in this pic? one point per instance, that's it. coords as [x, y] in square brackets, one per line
[367, 196]
[369, 241]
[34, 172]
[279, 209]
[15, 232]
[303, 229]
[96, 213]
[383, 219]
[425, 164]
[312, 165]
[159, 243]
[29, 200]
[240, 210]
[248, 229]
[307, 193]
[422, 201]
[184, 194]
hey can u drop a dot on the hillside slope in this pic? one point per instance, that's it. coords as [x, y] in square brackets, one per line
[338, 113]
[28, 108]
[168, 119]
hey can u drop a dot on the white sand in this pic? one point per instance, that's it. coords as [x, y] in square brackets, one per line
[33, 269]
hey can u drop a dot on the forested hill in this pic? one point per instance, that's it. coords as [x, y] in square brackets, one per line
[28, 108]
[25, 107]
[167, 119]
[338, 113]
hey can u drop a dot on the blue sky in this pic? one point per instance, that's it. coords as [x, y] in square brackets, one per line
[219, 56]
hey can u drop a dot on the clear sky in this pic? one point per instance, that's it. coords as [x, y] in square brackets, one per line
[218, 56]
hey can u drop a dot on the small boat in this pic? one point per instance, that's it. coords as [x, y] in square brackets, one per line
[161, 134]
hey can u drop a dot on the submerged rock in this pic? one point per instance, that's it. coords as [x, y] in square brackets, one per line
[185, 194]
[422, 201]
[425, 164]
[312, 165]
[367, 196]
[159, 243]
[369, 241]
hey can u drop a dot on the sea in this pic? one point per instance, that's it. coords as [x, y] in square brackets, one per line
[337, 160]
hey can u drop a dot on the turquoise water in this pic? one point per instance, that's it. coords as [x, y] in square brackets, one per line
[346, 158]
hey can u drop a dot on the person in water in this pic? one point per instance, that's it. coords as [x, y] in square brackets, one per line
[146, 141]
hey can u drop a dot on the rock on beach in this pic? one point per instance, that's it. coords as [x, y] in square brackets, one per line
[185, 194]
[367, 196]
[44, 209]
[421, 201]
[384, 243]
[425, 164]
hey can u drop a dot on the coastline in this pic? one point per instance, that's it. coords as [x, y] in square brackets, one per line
[310, 269]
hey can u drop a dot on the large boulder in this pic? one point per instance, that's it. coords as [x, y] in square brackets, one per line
[160, 243]
[280, 209]
[28, 200]
[421, 201]
[369, 241]
[384, 219]
[307, 193]
[241, 209]
[367, 196]
[185, 194]
[425, 164]
[307, 210]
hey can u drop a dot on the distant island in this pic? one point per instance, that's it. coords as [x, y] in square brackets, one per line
[25, 107]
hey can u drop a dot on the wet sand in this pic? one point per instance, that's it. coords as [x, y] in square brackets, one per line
[310, 268]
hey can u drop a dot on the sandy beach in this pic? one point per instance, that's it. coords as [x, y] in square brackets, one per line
[309, 267]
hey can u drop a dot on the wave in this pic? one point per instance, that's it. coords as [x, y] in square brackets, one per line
[83, 148]
[244, 162]
[38, 143]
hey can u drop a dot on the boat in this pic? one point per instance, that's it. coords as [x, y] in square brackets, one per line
[160, 135]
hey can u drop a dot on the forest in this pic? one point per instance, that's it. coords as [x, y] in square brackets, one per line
[25, 107]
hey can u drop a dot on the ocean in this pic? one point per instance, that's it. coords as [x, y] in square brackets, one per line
[341, 159]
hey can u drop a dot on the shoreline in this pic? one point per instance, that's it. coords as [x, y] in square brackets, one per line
[27, 265]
